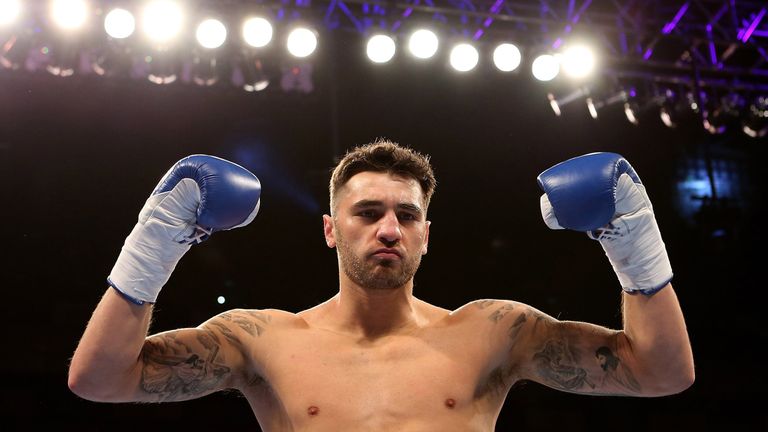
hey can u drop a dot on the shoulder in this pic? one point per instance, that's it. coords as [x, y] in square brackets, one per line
[511, 326]
[492, 310]
[253, 322]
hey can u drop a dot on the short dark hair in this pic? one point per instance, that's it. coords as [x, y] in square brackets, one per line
[384, 156]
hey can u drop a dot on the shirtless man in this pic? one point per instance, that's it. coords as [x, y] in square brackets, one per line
[374, 357]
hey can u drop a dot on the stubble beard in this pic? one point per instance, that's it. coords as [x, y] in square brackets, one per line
[375, 274]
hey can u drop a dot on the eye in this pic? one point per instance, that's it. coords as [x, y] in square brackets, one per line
[369, 214]
[408, 217]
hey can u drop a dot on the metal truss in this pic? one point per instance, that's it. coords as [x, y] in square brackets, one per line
[706, 43]
[720, 43]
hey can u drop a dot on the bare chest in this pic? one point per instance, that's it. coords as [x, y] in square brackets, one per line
[401, 380]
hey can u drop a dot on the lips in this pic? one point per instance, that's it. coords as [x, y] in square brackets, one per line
[386, 253]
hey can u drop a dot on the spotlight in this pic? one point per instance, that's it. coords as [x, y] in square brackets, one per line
[251, 74]
[204, 70]
[464, 57]
[507, 57]
[545, 67]
[162, 67]
[257, 32]
[755, 123]
[380, 48]
[297, 77]
[14, 51]
[594, 105]
[114, 59]
[302, 42]
[557, 104]
[676, 108]
[119, 23]
[162, 21]
[64, 59]
[636, 107]
[9, 12]
[423, 44]
[718, 117]
[69, 14]
[578, 61]
[211, 33]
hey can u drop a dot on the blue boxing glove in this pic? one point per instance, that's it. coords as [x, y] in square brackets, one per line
[198, 196]
[601, 194]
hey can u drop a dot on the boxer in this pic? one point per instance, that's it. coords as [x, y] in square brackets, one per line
[374, 356]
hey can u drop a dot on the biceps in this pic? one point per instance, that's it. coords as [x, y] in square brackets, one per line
[583, 358]
[185, 364]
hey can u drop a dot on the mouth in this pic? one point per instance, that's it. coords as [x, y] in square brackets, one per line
[386, 253]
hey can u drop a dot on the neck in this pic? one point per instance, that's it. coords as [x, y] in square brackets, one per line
[373, 313]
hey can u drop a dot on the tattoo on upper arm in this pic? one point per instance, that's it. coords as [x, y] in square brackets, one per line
[615, 371]
[173, 369]
[558, 363]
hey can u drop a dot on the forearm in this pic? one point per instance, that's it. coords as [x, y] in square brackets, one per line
[656, 332]
[108, 354]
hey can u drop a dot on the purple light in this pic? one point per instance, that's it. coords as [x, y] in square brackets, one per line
[672, 24]
[753, 26]
[647, 53]
[406, 14]
[488, 21]
[557, 43]
[712, 53]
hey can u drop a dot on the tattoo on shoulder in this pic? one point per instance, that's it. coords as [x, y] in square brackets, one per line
[499, 313]
[483, 304]
[514, 329]
[173, 369]
[253, 322]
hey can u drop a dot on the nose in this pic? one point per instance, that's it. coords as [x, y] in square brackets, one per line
[389, 230]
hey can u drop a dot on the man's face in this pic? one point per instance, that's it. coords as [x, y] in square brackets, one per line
[379, 229]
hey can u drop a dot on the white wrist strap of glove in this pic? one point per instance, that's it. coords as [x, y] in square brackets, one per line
[633, 243]
[164, 233]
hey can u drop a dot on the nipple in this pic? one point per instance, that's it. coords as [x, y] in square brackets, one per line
[313, 410]
[450, 403]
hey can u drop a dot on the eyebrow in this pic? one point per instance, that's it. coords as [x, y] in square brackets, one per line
[374, 203]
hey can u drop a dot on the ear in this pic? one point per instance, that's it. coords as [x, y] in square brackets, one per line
[330, 238]
[426, 238]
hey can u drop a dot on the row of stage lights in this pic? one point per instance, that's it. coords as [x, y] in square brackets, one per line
[718, 113]
[162, 21]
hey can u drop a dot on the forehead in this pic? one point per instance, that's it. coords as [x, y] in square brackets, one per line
[381, 186]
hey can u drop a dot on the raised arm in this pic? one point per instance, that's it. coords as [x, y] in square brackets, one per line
[647, 358]
[602, 195]
[113, 361]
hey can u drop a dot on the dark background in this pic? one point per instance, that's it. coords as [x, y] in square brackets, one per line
[79, 156]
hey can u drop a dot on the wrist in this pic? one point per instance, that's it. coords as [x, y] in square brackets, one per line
[635, 249]
[145, 263]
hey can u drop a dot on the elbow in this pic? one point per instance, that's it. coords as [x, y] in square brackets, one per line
[687, 378]
[77, 384]
[675, 382]
[80, 384]
[89, 387]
